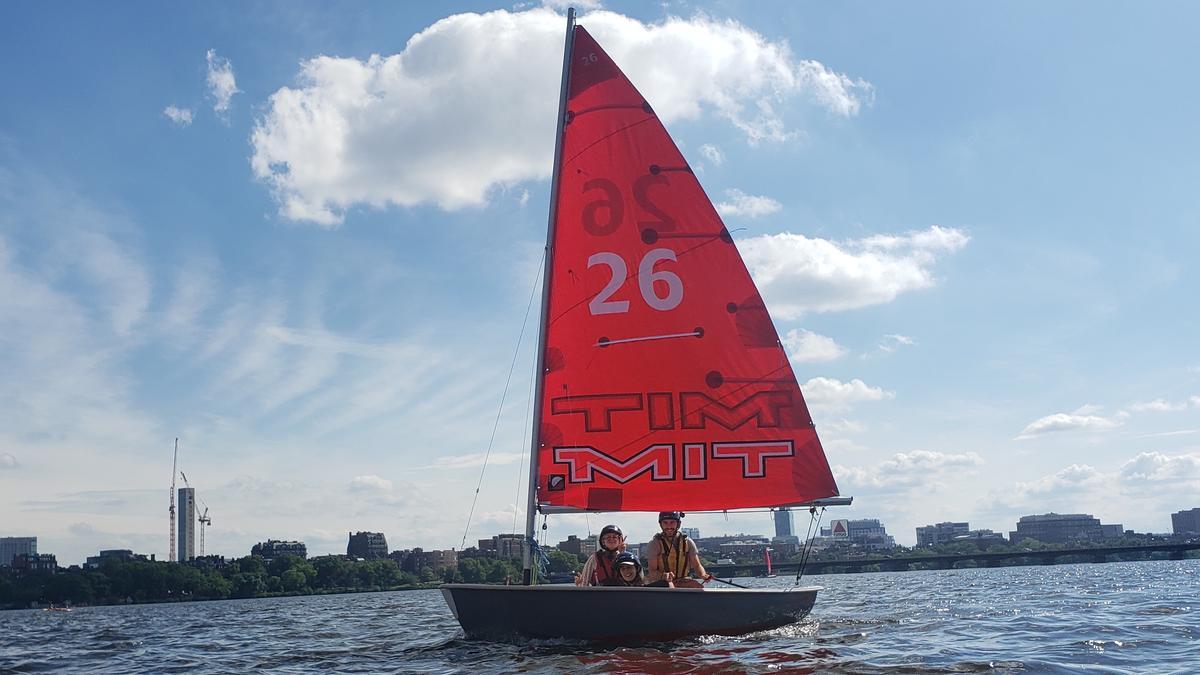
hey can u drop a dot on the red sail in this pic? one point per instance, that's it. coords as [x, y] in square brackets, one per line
[666, 386]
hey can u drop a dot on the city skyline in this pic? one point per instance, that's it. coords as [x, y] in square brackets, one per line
[303, 241]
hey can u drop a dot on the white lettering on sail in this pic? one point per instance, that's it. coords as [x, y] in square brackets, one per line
[695, 462]
[647, 276]
[585, 462]
[753, 455]
[601, 303]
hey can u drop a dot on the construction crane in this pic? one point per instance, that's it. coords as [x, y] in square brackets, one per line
[174, 468]
[204, 521]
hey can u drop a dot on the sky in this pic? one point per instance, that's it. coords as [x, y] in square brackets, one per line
[302, 238]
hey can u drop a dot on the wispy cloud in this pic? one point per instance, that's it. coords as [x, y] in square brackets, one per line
[180, 116]
[222, 84]
[1059, 422]
[797, 274]
[438, 124]
[905, 470]
[477, 459]
[8, 461]
[713, 154]
[369, 483]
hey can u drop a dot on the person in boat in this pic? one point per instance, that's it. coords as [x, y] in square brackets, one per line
[670, 555]
[602, 564]
[629, 571]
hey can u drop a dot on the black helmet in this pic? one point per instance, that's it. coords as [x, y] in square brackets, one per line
[627, 558]
[609, 529]
[670, 515]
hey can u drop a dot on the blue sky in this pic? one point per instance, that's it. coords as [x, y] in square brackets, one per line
[301, 237]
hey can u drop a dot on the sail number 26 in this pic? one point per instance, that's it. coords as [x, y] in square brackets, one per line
[646, 276]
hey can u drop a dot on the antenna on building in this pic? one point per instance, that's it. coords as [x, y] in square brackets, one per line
[204, 521]
[174, 467]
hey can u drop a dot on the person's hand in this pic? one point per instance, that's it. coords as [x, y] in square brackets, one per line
[708, 577]
[670, 576]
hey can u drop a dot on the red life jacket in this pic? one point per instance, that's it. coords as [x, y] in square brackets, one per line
[604, 567]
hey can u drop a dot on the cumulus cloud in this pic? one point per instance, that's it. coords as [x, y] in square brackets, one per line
[830, 395]
[739, 203]
[7, 461]
[805, 346]
[1156, 467]
[370, 483]
[712, 153]
[456, 114]
[906, 469]
[797, 274]
[180, 116]
[1067, 422]
[222, 85]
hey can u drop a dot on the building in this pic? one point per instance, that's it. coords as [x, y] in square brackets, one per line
[1060, 528]
[273, 548]
[692, 533]
[1183, 522]
[368, 545]
[38, 562]
[865, 532]
[785, 546]
[745, 548]
[11, 547]
[186, 524]
[784, 525]
[97, 561]
[510, 545]
[941, 533]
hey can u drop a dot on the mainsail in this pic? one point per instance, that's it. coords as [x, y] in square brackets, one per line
[665, 384]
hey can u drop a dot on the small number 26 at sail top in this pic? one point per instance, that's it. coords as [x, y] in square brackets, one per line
[665, 383]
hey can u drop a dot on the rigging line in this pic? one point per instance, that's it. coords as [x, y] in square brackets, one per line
[524, 445]
[500, 409]
[814, 518]
[646, 338]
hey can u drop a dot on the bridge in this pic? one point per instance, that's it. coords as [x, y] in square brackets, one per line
[981, 559]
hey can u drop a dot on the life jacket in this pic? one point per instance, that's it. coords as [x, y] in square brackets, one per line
[674, 559]
[604, 567]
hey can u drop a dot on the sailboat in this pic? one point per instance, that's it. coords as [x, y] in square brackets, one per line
[770, 573]
[661, 383]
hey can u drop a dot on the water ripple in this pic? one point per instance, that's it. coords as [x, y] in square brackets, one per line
[1118, 617]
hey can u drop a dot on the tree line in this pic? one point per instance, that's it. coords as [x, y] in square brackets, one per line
[118, 581]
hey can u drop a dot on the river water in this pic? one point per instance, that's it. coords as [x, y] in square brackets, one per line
[1116, 617]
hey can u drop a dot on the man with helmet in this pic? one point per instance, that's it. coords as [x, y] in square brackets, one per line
[602, 564]
[671, 554]
[629, 571]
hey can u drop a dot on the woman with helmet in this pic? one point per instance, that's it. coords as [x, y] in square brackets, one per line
[602, 564]
[629, 571]
[670, 555]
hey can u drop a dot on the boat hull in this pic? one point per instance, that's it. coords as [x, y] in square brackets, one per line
[621, 614]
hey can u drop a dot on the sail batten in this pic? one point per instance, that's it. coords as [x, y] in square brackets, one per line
[663, 381]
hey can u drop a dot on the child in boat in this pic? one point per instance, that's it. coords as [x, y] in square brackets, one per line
[629, 571]
[602, 564]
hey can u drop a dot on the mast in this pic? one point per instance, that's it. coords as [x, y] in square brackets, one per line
[527, 576]
[174, 465]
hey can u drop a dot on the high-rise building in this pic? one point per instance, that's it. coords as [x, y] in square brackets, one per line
[941, 533]
[692, 533]
[784, 525]
[866, 532]
[367, 545]
[186, 523]
[1186, 522]
[11, 547]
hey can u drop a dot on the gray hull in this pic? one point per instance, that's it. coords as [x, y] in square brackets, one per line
[621, 614]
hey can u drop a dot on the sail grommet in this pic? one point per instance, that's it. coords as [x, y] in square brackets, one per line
[647, 108]
[655, 169]
[714, 379]
[568, 117]
[725, 236]
[732, 308]
[602, 342]
[699, 332]
[649, 235]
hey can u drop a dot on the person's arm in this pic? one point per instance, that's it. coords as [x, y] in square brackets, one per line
[694, 561]
[654, 569]
[589, 569]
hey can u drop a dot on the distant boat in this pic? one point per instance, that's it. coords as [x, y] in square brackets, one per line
[662, 383]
